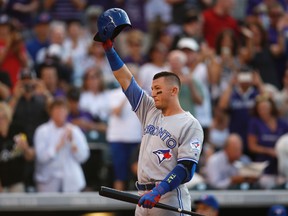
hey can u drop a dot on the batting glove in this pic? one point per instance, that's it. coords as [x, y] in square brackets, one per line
[107, 45]
[150, 199]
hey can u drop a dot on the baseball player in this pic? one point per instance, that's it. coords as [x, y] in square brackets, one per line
[171, 143]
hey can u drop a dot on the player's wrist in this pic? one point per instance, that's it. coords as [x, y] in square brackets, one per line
[162, 188]
[114, 60]
[107, 45]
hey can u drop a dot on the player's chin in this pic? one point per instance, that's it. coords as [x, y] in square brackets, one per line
[158, 106]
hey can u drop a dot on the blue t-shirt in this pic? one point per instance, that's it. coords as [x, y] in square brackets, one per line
[34, 45]
[267, 138]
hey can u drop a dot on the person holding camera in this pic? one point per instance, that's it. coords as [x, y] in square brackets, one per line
[28, 102]
[238, 98]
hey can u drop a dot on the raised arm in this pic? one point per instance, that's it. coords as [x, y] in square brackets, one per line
[120, 70]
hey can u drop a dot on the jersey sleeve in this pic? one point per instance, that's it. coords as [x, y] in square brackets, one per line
[191, 142]
[141, 103]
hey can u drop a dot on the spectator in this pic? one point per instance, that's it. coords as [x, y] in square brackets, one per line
[277, 210]
[207, 205]
[93, 98]
[83, 119]
[220, 170]
[74, 50]
[217, 19]
[156, 62]
[123, 142]
[58, 157]
[165, 36]
[91, 16]
[181, 8]
[14, 152]
[264, 131]
[276, 37]
[57, 36]
[157, 14]
[223, 62]
[238, 98]
[218, 131]
[135, 44]
[40, 38]
[49, 75]
[23, 11]
[262, 55]
[13, 55]
[257, 10]
[96, 58]
[64, 10]
[54, 54]
[28, 102]
[190, 93]
[191, 27]
[199, 72]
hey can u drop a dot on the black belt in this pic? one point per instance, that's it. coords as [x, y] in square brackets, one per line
[145, 187]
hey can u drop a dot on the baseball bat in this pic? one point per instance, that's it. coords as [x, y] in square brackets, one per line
[132, 198]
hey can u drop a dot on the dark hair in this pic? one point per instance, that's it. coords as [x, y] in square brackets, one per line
[58, 102]
[98, 72]
[190, 18]
[170, 76]
[157, 46]
[45, 65]
[73, 94]
[264, 97]
[263, 33]
[220, 37]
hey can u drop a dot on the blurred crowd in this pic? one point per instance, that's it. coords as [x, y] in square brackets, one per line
[59, 97]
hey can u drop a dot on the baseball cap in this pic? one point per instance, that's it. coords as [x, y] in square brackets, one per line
[278, 210]
[208, 200]
[188, 43]
[43, 18]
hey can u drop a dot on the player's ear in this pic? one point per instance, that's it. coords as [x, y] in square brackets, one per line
[174, 90]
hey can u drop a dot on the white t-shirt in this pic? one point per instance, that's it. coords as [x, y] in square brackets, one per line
[126, 127]
[95, 104]
[203, 112]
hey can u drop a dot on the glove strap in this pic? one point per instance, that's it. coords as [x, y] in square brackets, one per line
[114, 60]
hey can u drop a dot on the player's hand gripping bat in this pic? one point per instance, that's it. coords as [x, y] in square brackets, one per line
[132, 198]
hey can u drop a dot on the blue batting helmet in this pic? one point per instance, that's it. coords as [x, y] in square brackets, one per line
[110, 23]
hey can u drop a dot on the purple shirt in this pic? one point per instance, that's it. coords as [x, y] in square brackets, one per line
[81, 115]
[267, 138]
[251, 4]
[239, 107]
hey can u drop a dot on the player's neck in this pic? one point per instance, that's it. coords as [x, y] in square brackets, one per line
[172, 110]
